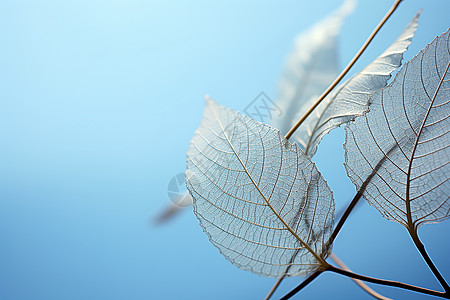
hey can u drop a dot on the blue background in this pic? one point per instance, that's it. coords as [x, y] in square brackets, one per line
[98, 102]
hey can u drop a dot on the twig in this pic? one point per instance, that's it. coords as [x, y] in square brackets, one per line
[368, 279]
[339, 215]
[274, 288]
[428, 260]
[302, 285]
[345, 71]
[390, 283]
[358, 196]
[364, 286]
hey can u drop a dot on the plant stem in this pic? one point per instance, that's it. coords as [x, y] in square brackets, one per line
[340, 264]
[347, 68]
[390, 283]
[358, 196]
[274, 288]
[364, 286]
[397, 284]
[346, 214]
[303, 284]
[423, 252]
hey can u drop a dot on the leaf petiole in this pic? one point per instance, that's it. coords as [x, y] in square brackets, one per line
[421, 248]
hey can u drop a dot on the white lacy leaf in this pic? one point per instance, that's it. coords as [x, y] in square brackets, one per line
[260, 200]
[351, 99]
[311, 67]
[406, 136]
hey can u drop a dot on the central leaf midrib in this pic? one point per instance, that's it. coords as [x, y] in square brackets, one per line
[316, 256]
[408, 176]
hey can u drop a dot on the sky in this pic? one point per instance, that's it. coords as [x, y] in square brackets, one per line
[98, 103]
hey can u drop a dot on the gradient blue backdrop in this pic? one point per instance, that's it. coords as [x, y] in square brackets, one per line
[98, 102]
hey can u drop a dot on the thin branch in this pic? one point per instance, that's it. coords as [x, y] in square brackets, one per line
[339, 215]
[340, 264]
[390, 283]
[347, 212]
[274, 288]
[358, 195]
[303, 284]
[423, 252]
[345, 71]
[364, 286]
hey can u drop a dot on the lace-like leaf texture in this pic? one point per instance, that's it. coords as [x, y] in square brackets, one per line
[351, 99]
[310, 68]
[257, 196]
[405, 135]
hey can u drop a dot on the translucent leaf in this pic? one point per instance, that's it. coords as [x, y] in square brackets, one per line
[257, 196]
[351, 98]
[311, 67]
[407, 130]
